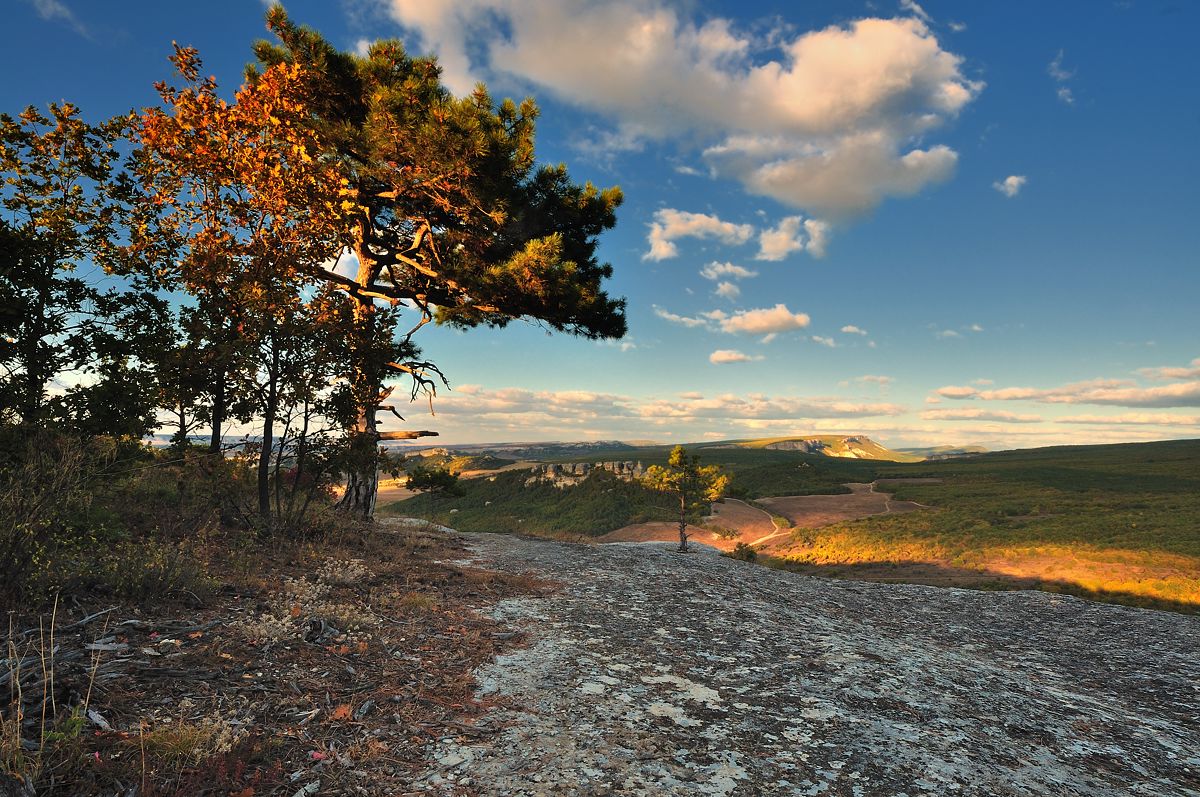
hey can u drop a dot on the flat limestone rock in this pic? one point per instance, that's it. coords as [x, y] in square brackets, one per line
[656, 673]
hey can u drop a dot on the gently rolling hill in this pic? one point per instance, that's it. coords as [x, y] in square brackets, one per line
[844, 447]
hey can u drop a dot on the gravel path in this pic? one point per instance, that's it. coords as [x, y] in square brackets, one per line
[658, 673]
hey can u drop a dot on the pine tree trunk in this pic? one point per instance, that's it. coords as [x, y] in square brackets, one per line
[683, 535]
[362, 488]
[362, 476]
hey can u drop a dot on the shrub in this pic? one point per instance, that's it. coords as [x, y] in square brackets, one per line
[41, 487]
[150, 570]
[742, 551]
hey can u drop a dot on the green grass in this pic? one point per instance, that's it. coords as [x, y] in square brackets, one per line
[1138, 497]
[1119, 522]
[457, 463]
[504, 503]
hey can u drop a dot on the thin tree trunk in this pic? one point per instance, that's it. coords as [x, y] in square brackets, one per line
[218, 413]
[278, 470]
[301, 451]
[683, 535]
[36, 372]
[270, 408]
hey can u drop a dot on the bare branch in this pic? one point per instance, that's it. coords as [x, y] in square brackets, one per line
[389, 408]
[405, 435]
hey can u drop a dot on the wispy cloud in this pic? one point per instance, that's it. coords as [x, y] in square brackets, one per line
[725, 356]
[767, 321]
[912, 7]
[1135, 419]
[1168, 372]
[1116, 392]
[997, 416]
[763, 408]
[510, 413]
[851, 329]
[58, 11]
[1061, 76]
[824, 341]
[682, 320]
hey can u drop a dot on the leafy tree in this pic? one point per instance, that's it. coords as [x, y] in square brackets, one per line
[238, 208]
[434, 481]
[448, 219]
[56, 318]
[692, 484]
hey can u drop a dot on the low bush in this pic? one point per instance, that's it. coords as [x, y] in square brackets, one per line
[724, 533]
[743, 552]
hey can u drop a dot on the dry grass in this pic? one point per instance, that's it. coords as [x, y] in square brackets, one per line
[369, 655]
[1141, 578]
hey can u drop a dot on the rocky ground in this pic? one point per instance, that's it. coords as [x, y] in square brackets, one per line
[656, 673]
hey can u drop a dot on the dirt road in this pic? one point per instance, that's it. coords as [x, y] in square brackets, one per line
[755, 525]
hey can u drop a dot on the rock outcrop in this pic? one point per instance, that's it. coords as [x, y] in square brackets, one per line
[656, 673]
[572, 473]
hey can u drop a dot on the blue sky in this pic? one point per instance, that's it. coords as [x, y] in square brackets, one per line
[941, 223]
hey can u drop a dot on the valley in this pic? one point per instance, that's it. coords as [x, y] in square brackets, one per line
[1115, 523]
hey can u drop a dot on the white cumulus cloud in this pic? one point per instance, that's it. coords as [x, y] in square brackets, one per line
[1010, 186]
[764, 321]
[727, 290]
[792, 234]
[716, 271]
[670, 225]
[827, 120]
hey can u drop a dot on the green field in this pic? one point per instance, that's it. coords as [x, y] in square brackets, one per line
[504, 503]
[1118, 522]
[602, 503]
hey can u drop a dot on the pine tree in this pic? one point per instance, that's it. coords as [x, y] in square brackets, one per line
[450, 219]
[693, 485]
